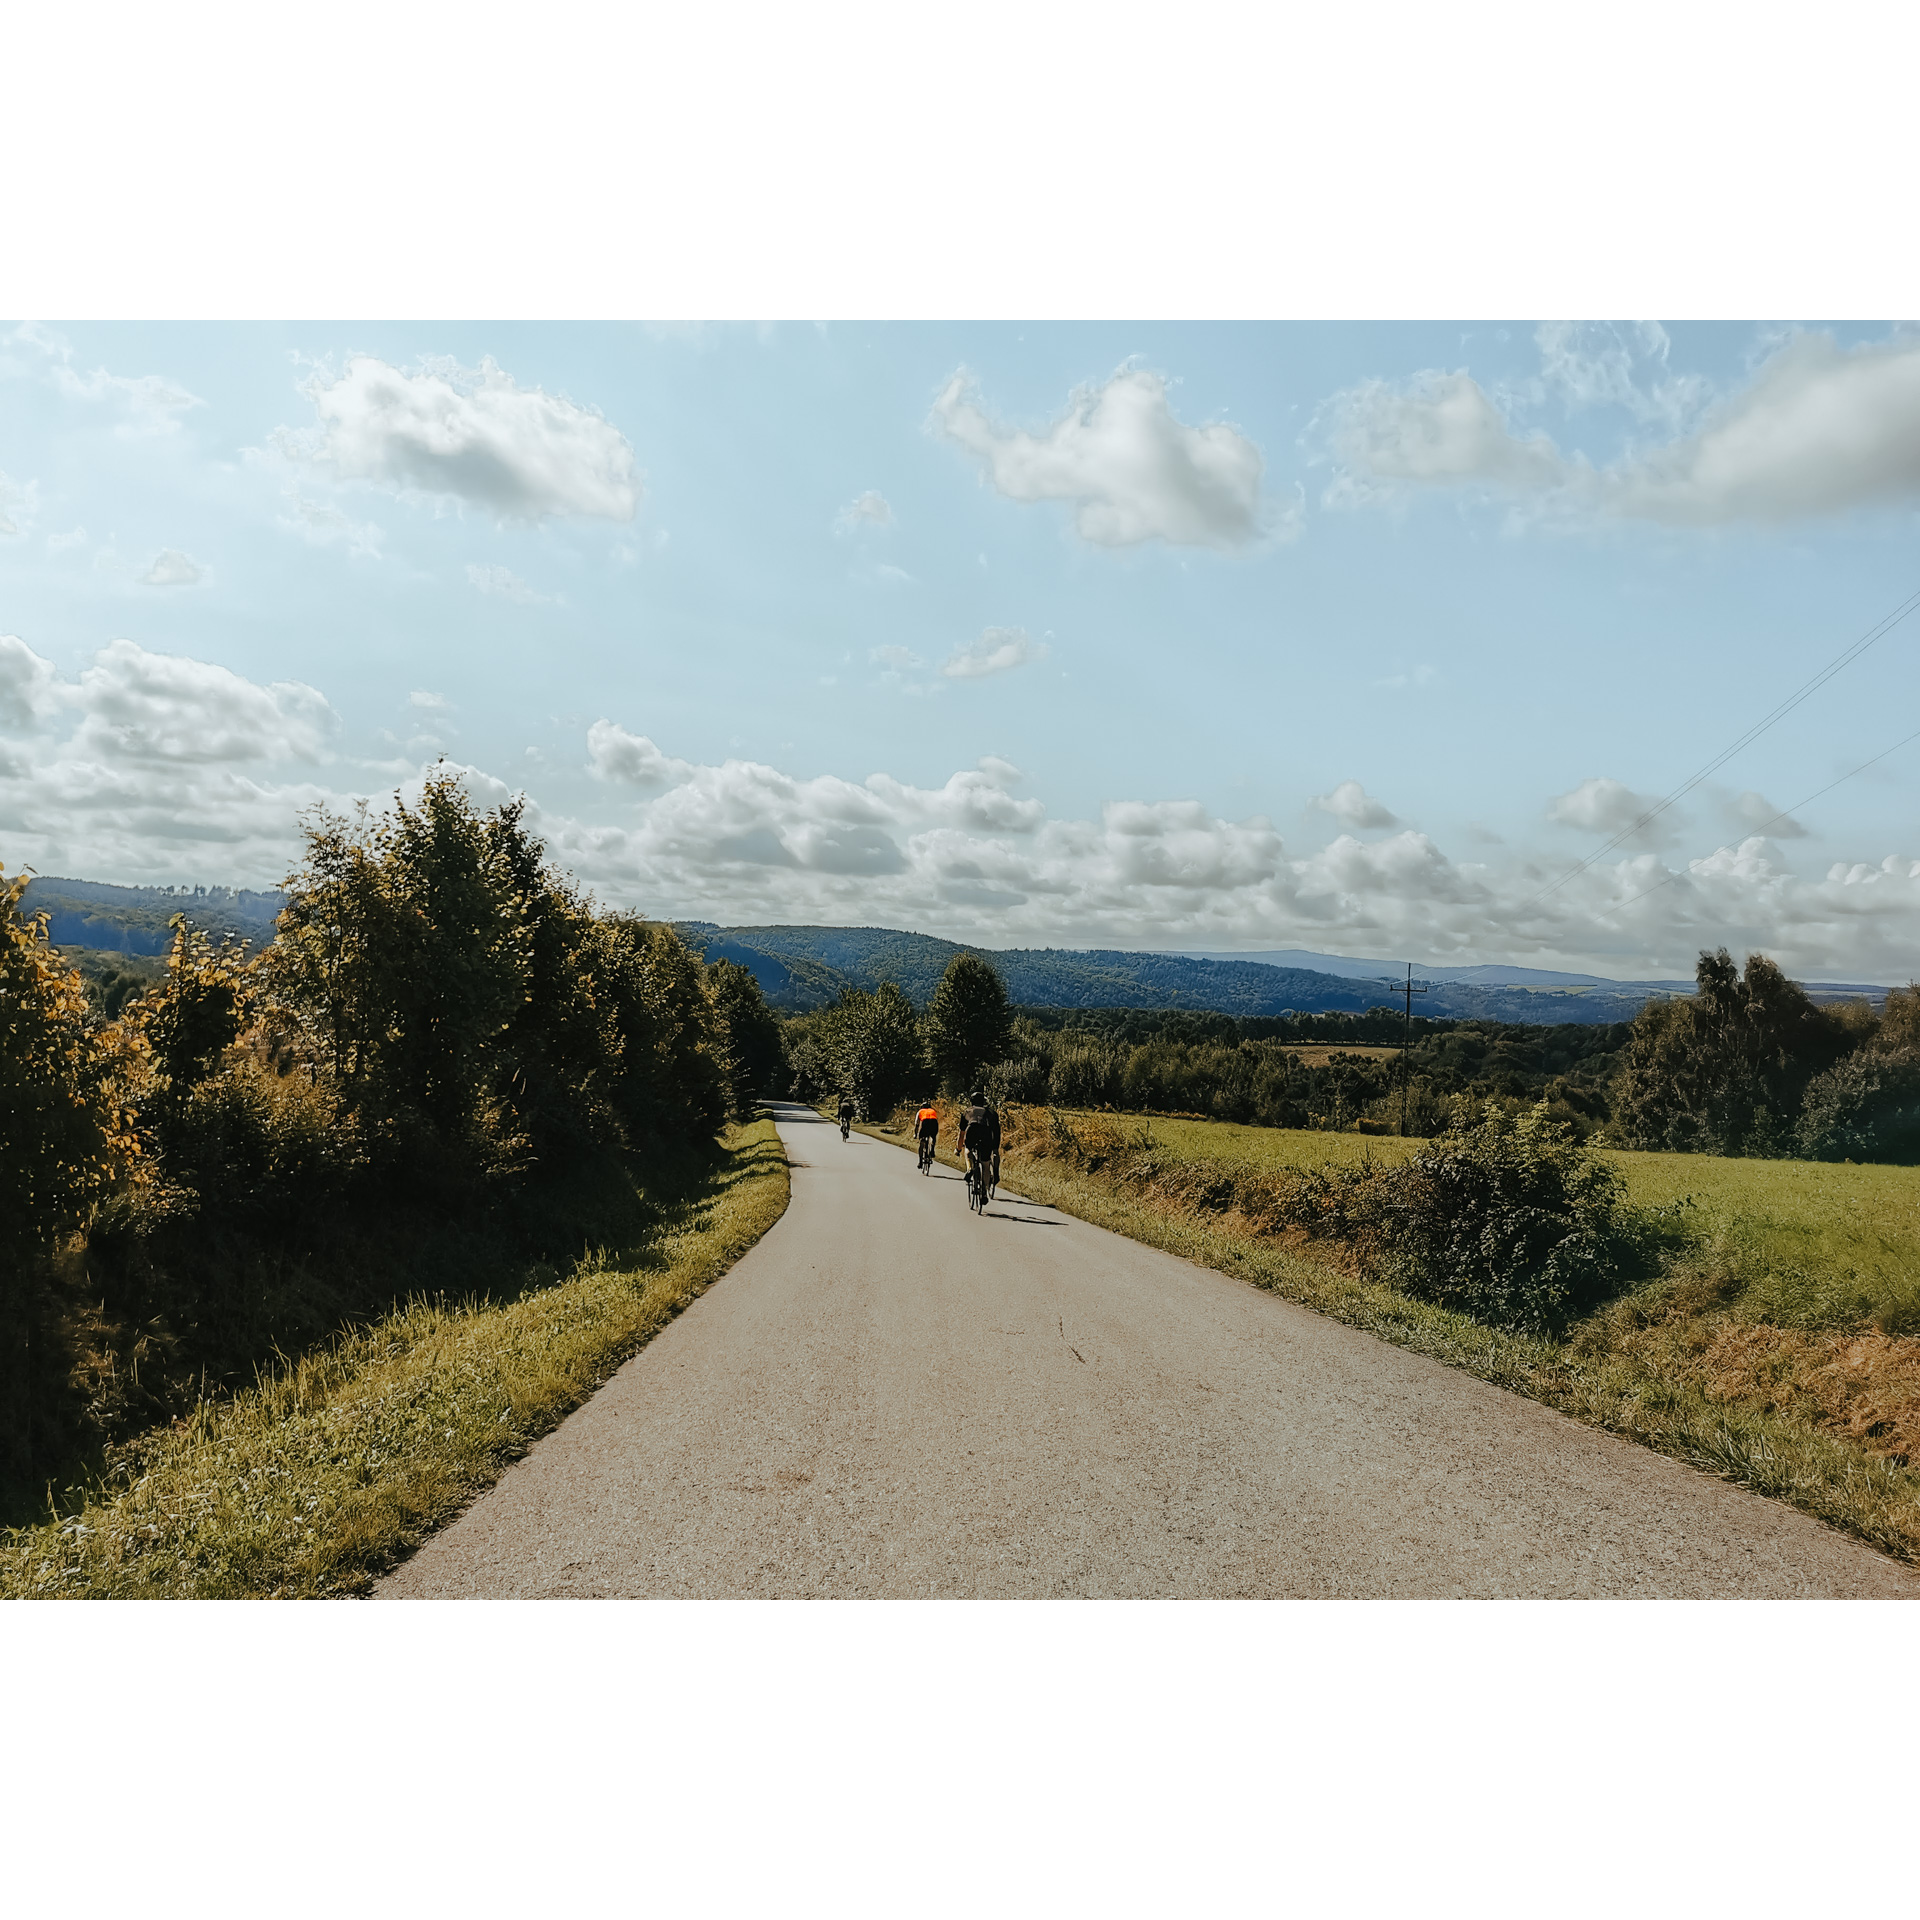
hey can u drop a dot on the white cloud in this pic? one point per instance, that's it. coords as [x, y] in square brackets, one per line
[473, 434]
[141, 706]
[998, 650]
[1818, 430]
[900, 659]
[1759, 813]
[26, 683]
[65, 542]
[1606, 806]
[631, 759]
[1351, 804]
[170, 767]
[1440, 429]
[867, 510]
[429, 702]
[1132, 470]
[172, 568]
[505, 585]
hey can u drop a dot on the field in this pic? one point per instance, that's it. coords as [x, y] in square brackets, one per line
[1777, 1344]
[1807, 1244]
[1319, 1056]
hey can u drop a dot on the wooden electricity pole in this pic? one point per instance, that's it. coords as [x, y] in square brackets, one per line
[1409, 987]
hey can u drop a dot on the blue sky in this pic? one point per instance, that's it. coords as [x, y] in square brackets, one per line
[1352, 637]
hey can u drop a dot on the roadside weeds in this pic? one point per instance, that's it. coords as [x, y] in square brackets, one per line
[326, 1473]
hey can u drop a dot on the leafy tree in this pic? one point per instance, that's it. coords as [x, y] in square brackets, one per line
[1724, 1071]
[67, 1139]
[1866, 1107]
[753, 1057]
[969, 1023]
[874, 1046]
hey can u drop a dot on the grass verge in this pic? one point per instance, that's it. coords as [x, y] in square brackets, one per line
[1631, 1374]
[319, 1478]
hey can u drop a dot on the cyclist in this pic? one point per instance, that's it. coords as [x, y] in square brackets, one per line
[926, 1126]
[846, 1114]
[980, 1138]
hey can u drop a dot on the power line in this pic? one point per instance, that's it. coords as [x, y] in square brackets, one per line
[1782, 815]
[1877, 632]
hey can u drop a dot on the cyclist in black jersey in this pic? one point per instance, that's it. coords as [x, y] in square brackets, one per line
[980, 1138]
[846, 1114]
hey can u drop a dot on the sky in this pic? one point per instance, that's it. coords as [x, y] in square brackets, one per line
[1353, 637]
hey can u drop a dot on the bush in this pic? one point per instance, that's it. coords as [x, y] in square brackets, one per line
[1866, 1108]
[1508, 1220]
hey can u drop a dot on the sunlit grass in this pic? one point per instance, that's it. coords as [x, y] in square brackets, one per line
[1823, 1412]
[319, 1478]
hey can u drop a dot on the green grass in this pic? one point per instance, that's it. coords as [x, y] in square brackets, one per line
[1826, 1420]
[1799, 1243]
[322, 1476]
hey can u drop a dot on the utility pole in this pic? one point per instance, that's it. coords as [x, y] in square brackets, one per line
[1409, 987]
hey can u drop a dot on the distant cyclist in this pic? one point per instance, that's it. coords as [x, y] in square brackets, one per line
[926, 1126]
[980, 1138]
[846, 1114]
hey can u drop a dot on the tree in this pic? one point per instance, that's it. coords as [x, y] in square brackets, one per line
[753, 1059]
[67, 1138]
[874, 1044]
[969, 1023]
[1724, 1072]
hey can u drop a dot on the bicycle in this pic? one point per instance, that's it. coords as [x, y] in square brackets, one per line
[977, 1176]
[846, 1126]
[926, 1153]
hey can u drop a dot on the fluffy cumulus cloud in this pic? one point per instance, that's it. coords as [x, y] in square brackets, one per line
[172, 568]
[146, 765]
[998, 650]
[1130, 468]
[26, 684]
[472, 434]
[631, 759]
[1351, 804]
[1600, 805]
[1819, 429]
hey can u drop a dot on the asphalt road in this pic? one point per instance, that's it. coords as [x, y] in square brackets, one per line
[891, 1397]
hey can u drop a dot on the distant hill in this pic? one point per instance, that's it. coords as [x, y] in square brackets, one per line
[802, 967]
[108, 919]
[1531, 978]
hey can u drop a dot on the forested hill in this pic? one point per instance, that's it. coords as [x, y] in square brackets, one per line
[109, 919]
[802, 967]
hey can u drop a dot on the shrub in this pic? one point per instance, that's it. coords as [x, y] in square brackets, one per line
[1865, 1108]
[1508, 1220]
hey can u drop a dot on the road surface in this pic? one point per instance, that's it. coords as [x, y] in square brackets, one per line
[891, 1397]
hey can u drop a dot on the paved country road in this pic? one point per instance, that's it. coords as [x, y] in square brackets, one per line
[891, 1397]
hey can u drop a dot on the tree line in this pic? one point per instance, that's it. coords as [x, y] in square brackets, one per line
[444, 1052]
[1747, 1064]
